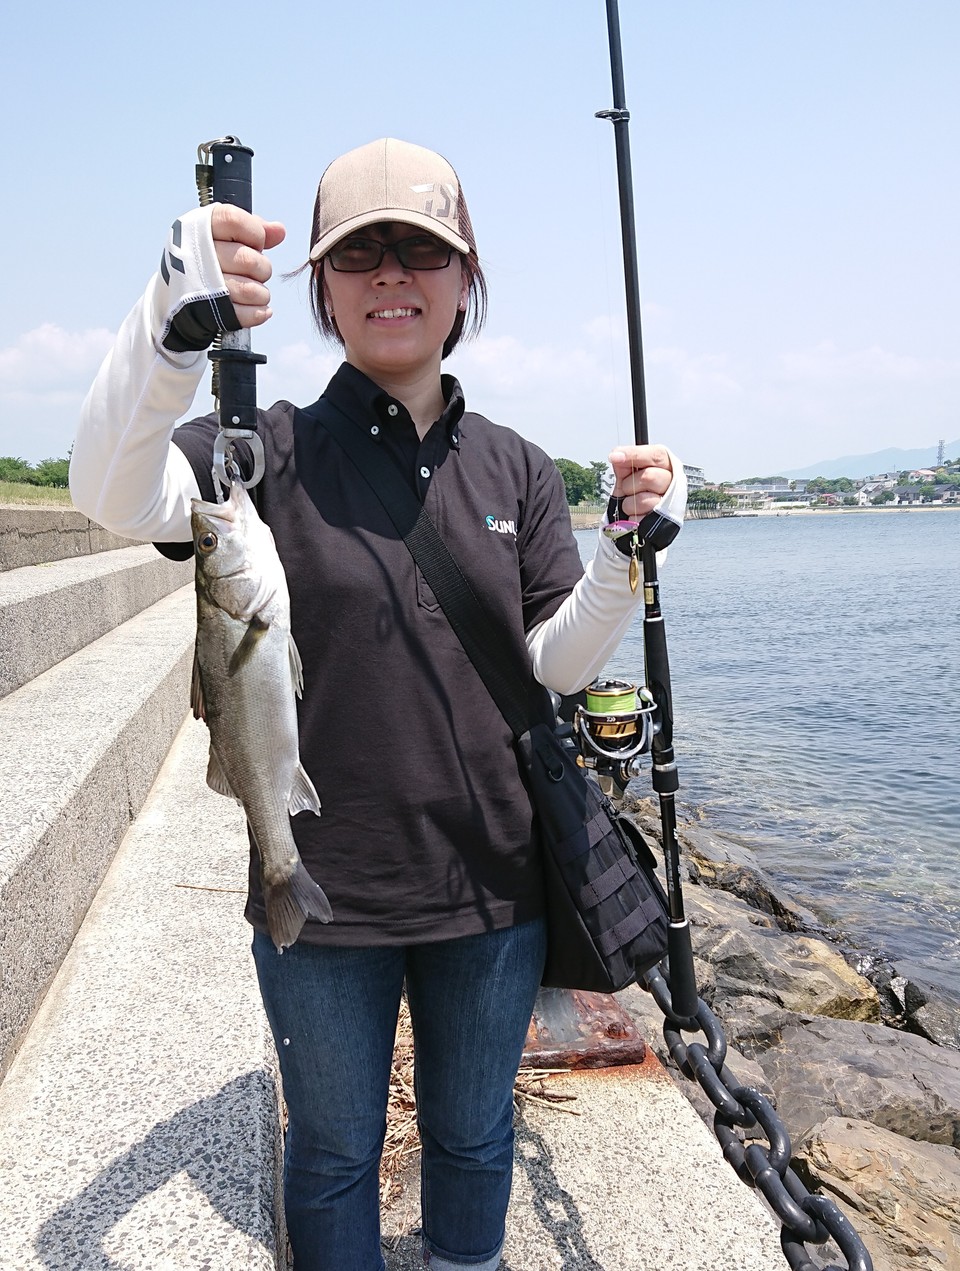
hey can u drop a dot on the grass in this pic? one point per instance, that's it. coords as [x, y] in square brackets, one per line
[35, 496]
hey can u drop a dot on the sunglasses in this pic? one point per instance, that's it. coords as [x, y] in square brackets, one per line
[360, 255]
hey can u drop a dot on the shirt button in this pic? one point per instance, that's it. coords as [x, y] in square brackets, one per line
[424, 472]
[375, 430]
[392, 410]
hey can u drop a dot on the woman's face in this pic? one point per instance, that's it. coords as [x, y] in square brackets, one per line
[393, 321]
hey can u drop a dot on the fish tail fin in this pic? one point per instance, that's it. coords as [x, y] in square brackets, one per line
[290, 903]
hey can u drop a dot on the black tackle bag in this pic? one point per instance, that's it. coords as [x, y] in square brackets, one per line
[607, 914]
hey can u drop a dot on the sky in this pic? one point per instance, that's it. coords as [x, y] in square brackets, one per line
[796, 177]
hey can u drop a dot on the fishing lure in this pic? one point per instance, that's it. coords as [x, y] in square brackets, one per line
[617, 532]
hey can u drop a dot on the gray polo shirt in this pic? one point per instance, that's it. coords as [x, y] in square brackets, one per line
[426, 830]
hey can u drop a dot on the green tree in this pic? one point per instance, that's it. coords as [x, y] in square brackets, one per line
[14, 469]
[51, 472]
[885, 496]
[599, 470]
[579, 481]
[711, 498]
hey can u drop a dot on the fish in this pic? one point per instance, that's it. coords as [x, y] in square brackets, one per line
[247, 674]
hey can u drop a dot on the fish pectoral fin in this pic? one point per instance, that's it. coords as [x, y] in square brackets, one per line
[197, 703]
[289, 903]
[296, 666]
[303, 796]
[216, 777]
[256, 629]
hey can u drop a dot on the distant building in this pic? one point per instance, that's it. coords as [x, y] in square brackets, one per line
[695, 478]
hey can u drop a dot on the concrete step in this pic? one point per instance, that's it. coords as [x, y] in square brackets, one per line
[624, 1177]
[82, 745]
[139, 1123]
[30, 536]
[48, 612]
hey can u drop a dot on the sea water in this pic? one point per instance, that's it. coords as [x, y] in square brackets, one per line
[815, 661]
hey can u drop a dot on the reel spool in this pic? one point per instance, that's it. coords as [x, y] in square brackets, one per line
[614, 727]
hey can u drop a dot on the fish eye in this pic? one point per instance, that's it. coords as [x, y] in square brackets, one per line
[206, 543]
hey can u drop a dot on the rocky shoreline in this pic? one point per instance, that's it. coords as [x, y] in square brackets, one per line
[862, 1063]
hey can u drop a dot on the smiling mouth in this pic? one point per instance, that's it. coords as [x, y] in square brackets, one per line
[393, 313]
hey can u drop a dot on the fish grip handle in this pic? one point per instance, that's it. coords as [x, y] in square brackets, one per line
[224, 174]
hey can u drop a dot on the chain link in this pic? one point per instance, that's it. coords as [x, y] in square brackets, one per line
[804, 1218]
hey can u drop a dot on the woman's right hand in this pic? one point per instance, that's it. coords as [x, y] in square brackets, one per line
[241, 238]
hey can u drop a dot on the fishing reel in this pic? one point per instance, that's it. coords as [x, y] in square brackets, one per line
[613, 730]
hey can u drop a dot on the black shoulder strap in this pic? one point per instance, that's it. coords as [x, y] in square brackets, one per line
[482, 641]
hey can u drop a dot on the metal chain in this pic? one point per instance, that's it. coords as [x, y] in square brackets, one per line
[804, 1218]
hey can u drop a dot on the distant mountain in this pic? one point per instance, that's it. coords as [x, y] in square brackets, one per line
[891, 460]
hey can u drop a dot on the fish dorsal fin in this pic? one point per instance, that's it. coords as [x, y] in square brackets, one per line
[303, 796]
[197, 703]
[216, 777]
[244, 651]
[296, 666]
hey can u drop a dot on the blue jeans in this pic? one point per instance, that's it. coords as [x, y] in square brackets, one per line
[333, 1013]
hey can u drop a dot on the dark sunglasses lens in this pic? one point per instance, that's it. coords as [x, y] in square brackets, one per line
[423, 252]
[354, 255]
[358, 255]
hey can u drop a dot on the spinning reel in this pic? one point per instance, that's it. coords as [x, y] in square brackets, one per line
[615, 727]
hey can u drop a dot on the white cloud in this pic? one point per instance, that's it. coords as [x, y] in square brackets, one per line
[297, 373]
[732, 415]
[44, 376]
[49, 357]
[828, 364]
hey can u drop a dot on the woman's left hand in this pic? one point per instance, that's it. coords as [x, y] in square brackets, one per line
[643, 475]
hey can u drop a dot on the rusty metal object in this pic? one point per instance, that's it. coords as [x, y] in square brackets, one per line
[572, 1029]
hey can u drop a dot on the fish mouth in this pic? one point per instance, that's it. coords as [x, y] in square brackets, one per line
[227, 512]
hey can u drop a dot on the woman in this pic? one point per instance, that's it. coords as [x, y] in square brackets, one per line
[425, 845]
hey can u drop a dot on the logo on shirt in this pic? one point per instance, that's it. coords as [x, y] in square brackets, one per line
[501, 527]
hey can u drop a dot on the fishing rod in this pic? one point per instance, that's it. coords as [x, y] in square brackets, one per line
[224, 175]
[666, 781]
[805, 1218]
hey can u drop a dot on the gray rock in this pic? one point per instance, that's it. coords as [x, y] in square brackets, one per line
[732, 868]
[938, 1022]
[931, 1011]
[833, 1067]
[753, 957]
[902, 1197]
[755, 1023]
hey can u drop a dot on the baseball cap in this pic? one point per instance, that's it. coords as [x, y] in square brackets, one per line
[390, 180]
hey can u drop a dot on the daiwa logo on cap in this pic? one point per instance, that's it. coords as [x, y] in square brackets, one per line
[441, 200]
[501, 527]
